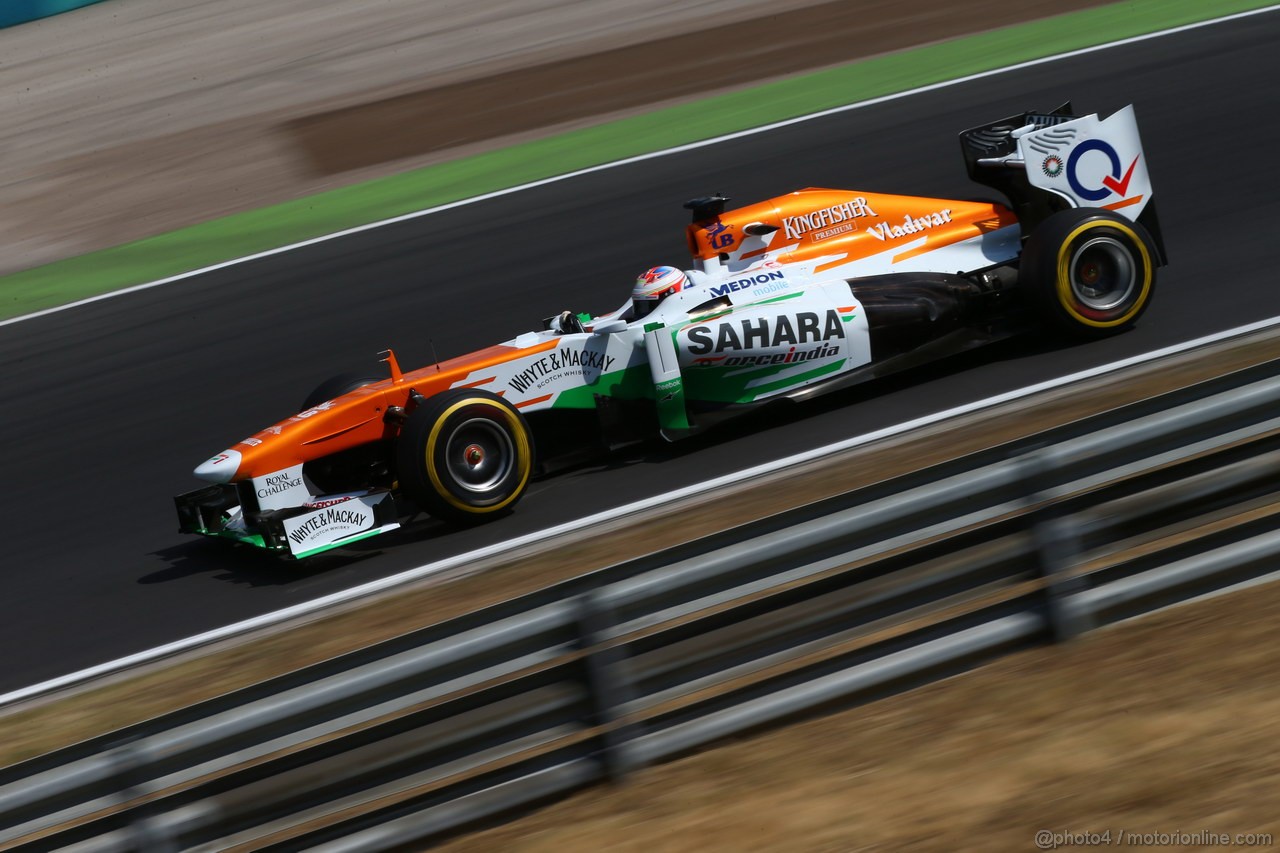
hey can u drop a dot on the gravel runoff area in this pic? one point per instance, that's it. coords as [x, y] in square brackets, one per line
[135, 117]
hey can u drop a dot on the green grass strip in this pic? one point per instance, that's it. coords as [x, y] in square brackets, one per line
[259, 230]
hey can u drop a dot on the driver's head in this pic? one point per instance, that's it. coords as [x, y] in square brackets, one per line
[655, 285]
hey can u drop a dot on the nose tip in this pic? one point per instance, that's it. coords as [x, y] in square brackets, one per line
[219, 469]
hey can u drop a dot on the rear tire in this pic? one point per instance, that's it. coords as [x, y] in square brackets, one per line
[1089, 272]
[464, 456]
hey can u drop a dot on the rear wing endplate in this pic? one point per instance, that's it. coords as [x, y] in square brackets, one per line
[1045, 162]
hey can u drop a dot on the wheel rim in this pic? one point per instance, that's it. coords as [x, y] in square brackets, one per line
[1103, 274]
[479, 455]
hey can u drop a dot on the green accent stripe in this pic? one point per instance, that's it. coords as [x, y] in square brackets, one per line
[783, 298]
[260, 230]
[253, 539]
[793, 381]
[630, 383]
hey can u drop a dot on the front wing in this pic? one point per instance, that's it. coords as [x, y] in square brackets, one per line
[322, 525]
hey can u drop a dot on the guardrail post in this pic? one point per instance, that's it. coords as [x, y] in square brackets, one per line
[146, 833]
[608, 682]
[1056, 541]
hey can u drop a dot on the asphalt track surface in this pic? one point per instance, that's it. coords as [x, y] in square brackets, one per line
[108, 406]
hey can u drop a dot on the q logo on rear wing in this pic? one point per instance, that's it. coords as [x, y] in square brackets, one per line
[1091, 162]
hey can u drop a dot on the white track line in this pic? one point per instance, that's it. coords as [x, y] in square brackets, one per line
[364, 590]
[637, 159]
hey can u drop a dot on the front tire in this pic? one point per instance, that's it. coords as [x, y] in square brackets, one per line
[464, 456]
[351, 470]
[335, 387]
[1089, 272]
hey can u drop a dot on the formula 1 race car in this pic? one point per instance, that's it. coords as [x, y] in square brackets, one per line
[787, 298]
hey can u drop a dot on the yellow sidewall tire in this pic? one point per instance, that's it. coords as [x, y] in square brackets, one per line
[523, 458]
[423, 465]
[1146, 275]
[1045, 271]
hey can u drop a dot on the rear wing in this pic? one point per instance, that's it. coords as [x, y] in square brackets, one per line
[1046, 162]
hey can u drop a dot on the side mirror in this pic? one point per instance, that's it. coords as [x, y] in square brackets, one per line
[609, 327]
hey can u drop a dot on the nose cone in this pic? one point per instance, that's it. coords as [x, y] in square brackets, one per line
[221, 468]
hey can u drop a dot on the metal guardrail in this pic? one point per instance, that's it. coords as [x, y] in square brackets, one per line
[841, 601]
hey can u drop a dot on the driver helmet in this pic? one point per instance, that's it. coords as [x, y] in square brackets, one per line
[655, 285]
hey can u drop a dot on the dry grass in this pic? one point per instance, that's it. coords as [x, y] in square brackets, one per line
[41, 726]
[1165, 724]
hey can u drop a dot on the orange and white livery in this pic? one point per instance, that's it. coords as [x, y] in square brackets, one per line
[788, 297]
